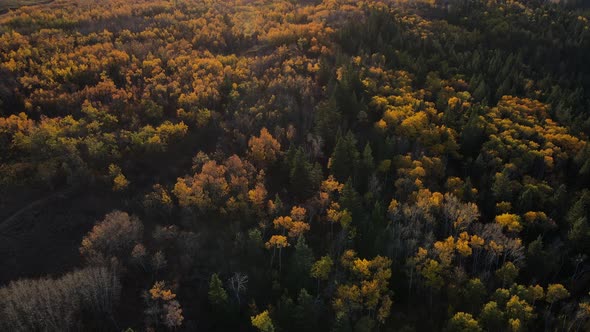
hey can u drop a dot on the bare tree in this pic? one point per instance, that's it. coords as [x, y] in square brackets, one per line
[238, 284]
[58, 304]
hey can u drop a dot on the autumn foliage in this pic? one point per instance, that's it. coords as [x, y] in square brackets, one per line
[335, 165]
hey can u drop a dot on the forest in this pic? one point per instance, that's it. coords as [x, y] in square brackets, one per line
[295, 165]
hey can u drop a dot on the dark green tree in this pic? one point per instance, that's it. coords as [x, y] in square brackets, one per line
[300, 264]
[345, 157]
[217, 294]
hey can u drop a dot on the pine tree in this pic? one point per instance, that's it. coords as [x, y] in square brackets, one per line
[350, 200]
[345, 157]
[301, 263]
[300, 175]
[217, 294]
[306, 313]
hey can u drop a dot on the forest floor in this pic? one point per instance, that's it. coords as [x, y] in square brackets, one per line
[12, 220]
[43, 236]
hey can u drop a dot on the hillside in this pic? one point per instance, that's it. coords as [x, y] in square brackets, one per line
[6, 5]
[313, 165]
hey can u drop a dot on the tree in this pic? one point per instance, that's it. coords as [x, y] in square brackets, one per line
[119, 180]
[217, 294]
[294, 224]
[582, 318]
[284, 311]
[173, 314]
[481, 92]
[162, 306]
[541, 263]
[58, 304]
[238, 283]
[579, 233]
[507, 273]
[303, 176]
[365, 297]
[474, 294]
[510, 221]
[264, 149]
[327, 120]
[515, 325]
[258, 195]
[306, 312]
[520, 310]
[301, 263]
[367, 160]
[366, 167]
[350, 200]
[114, 236]
[277, 242]
[321, 269]
[431, 271]
[263, 322]
[139, 254]
[158, 201]
[502, 187]
[556, 292]
[578, 217]
[216, 186]
[159, 261]
[344, 159]
[463, 322]
[491, 317]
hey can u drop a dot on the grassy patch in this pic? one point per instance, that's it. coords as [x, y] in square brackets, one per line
[13, 4]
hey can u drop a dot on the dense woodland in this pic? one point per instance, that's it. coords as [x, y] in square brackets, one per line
[331, 165]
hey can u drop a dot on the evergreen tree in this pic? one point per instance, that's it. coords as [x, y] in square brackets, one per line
[300, 264]
[345, 157]
[217, 294]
